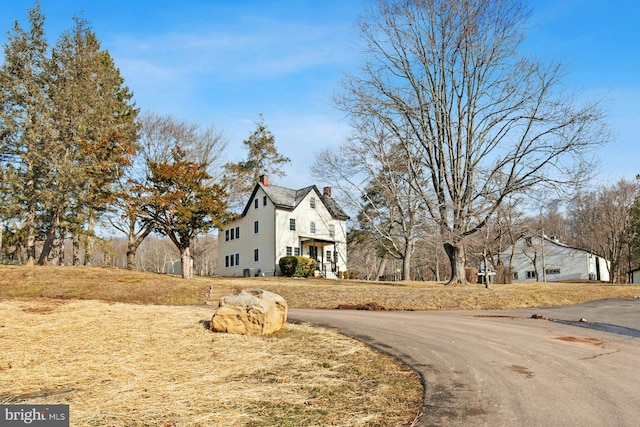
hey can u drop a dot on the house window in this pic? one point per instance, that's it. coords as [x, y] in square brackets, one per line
[553, 271]
[332, 230]
[296, 251]
[232, 260]
[226, 235]
[226, 261]
[328, 256]
[515, 275]
[531, 274]
[289, 250]
[312, 227]
[237, 259]
[256, 255]
[312, 202]
[255, 204]
[237, 232]
[256, 227]
[264, 200]
[292, 224]
[233, 235]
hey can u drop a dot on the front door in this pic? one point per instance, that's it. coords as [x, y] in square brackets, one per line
[313, 252]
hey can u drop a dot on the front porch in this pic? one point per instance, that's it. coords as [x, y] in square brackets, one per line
[324, 252]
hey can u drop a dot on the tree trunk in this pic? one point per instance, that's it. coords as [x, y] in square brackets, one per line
[381, 268]
[2, 229]
[455, 252]
[61, 248]
[131, 255]
[185, 262]
[89, 248]
[50, 240]
[133, 242]
[76, 249]
[406, 261]
[31, 235]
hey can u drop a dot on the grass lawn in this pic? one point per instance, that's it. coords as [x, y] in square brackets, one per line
[130, 349]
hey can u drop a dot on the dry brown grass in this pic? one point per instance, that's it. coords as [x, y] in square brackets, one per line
[120, 364]
[125, 357]
[437, 296]
[145, 288]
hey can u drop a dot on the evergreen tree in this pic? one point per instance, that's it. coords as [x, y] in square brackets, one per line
[67, 128]
[95, 119]
[26, 132]
[262, 158]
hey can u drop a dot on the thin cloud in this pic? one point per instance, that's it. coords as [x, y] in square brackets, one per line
[261, 54]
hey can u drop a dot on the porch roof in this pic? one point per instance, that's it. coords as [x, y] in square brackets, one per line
[316, 239]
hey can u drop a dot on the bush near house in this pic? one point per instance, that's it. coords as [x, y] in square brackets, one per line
[297, 266]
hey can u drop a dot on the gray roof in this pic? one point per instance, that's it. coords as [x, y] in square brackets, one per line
[289, 199]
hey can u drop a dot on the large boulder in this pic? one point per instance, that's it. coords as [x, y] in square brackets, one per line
[250, 311]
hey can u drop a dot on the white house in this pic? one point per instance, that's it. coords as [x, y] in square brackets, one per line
[278, 222]
[549, 259]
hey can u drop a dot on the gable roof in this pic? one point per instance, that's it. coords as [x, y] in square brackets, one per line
[556, 242]
[289, 199]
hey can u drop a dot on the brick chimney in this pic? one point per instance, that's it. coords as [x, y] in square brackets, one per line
[327, 191]
[264, 180]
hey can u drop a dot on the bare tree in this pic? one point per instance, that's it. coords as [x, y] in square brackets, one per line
[477, 120]
[158, 136]
[372, 171]
[602, 222]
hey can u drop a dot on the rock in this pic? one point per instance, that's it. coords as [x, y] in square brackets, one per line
[250, 311]
[373, 306]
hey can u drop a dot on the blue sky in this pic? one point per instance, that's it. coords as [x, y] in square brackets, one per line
[224, 63]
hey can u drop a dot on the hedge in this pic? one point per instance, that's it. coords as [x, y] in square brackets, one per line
[297, 266]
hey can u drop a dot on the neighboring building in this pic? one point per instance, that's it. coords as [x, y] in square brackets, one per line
[278, 222]
[533, 255]
[634, 276]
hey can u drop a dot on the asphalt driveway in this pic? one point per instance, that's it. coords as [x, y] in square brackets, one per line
[505, 368]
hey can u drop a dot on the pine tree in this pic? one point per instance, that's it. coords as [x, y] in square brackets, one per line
[26, 134]
[262, 158]
[95, 120]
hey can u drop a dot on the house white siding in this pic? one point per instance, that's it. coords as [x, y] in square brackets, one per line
[543, 257]
[319, 231]
[243, 248]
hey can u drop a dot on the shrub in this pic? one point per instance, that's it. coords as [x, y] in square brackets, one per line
[297, 266]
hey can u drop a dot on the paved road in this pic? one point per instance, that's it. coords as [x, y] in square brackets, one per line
[503, 368]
